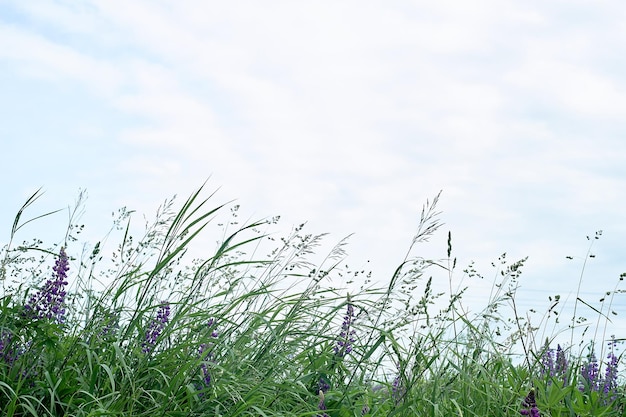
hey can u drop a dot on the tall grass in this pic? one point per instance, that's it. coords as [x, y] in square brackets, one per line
[259, 330]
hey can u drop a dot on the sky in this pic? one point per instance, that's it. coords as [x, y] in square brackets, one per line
[347, 115]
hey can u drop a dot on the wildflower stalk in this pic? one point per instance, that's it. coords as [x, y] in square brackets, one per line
[346, 338]
[156, 327]
[529, 405]
[49, 302]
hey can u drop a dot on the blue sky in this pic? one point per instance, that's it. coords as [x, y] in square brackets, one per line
[348, 115]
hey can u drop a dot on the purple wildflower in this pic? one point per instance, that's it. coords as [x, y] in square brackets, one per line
[554, 364]
[8, 352]
[529, 405]
[323, 385]
[397, 389]
[610, 376]
[322, 405]
[593, 381]
[109, 325]
[347, 334]
[206, 355]
[610, 379]
[590, 373]
[547, 361]
[156, 327]
[210, 324]
[561, 364]
[49, 302]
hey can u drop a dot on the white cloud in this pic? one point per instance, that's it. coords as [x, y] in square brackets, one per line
[351, 114]
[39, 57]
[585, 92]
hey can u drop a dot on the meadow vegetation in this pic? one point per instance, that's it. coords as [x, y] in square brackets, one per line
[257, 328]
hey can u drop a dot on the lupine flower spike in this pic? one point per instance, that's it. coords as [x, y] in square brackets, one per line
[554, 364]
[547, 361]
[206, 354]
[323, 385]
[591, 372]
[529, 405]
[610, 376]
[8, 352]
[49, 302]
[561, 364]
[322, 405]
[397, 387]
[347, 334]
[156, 327]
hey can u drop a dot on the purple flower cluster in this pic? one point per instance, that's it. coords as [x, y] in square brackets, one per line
[347, 334]
[206, 354]
[554, 364]
[561, 362]
[529, 405]
[610, 375]
[547, 362]
[211, 323]
[322, 405]
[49, 302]
[397, 389]
[8, 351]
[592, 378]
[323, 385]
[110, 325]
[156, 327]
[591, 373]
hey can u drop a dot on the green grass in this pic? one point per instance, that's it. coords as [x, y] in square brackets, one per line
[256, 330]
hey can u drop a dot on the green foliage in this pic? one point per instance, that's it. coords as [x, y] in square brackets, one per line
[254, 329]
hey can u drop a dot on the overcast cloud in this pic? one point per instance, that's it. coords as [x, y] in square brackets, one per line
[348, 115]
